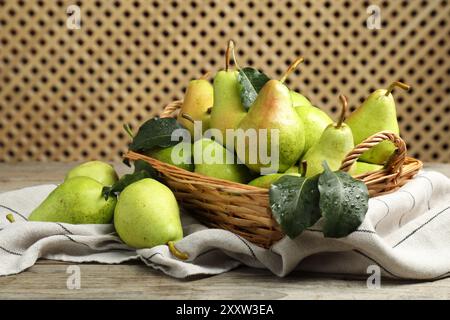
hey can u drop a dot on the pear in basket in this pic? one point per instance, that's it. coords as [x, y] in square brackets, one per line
[227, 110]
[179, 155]
[377, 113]
[210, 159]
[361, 167]
[273, 109]
[197, 104]
[334, 144]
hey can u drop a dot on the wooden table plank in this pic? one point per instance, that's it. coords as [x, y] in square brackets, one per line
[48, 279]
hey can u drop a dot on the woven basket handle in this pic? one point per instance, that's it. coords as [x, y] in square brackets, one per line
[394, 164]
[170, 110]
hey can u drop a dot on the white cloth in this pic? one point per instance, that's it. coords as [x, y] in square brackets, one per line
[406, 233]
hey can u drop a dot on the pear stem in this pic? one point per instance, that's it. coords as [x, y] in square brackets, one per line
[303, 168]
[187, 117]
[209, 110]
[230, 49]
[399, 84]
[180, 255]
[128, 130]
[10, 218]
[205, 76]
[344, 103]
[291, 68]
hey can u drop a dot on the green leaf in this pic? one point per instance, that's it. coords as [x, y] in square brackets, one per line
[343, 202]
[251, 81]
[295, 203]
[156, 132]
[142, 170]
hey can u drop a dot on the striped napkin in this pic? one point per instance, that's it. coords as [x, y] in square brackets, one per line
[406, 235]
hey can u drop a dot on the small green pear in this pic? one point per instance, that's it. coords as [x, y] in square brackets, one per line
[267, 180]
[77, 200]
[361, 167]
[334, 144]
[147, 215]
[210, 159]
[227, 111]
[182, 151]
[377, 113]
[315, 121]
[299, 100]
[97, 170]
[197, 103]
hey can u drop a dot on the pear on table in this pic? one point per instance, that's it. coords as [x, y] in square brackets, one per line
[273, 109]
[147, 215]
[227, 111]
[97, 170]
[377, 113]
[77, 200]
[334, 144]
[197, 103]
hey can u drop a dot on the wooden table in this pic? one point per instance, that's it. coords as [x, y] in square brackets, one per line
[47, 279]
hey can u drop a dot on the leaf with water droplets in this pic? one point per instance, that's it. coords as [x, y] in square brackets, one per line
[343, 202]
[295, 203]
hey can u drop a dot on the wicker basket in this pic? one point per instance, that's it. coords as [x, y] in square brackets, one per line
[245, 210]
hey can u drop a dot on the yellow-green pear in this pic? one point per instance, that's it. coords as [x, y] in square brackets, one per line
[267, 180]
[197, 103]
[299, 100]
[97, 170]
[181, 151]
[213, 160]
[334, 144]
[377, 113]
[77, 200]
[147, 215]
[315, 121]
[293, 169]
[273, 109]
[361, 167]
[227, 111]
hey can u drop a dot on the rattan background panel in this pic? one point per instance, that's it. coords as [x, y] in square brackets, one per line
[64, 94]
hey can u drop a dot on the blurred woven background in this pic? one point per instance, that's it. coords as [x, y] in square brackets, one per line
[64, 94]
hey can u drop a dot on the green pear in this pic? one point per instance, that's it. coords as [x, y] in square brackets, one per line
[315, 121]
[147, 215]
[182, 150]
[293, 169]
[197, 103]
[273, 109]
[267, 180]
[77, 200]
[334, 144]
[299, 100]
[377, 113]
[227, 111]
[361, 167]
[97, 170]
[210, 159]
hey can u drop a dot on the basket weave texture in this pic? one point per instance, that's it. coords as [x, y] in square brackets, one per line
[245, 209]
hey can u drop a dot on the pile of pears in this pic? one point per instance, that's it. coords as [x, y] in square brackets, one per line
[307, 135]
[146, 213]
